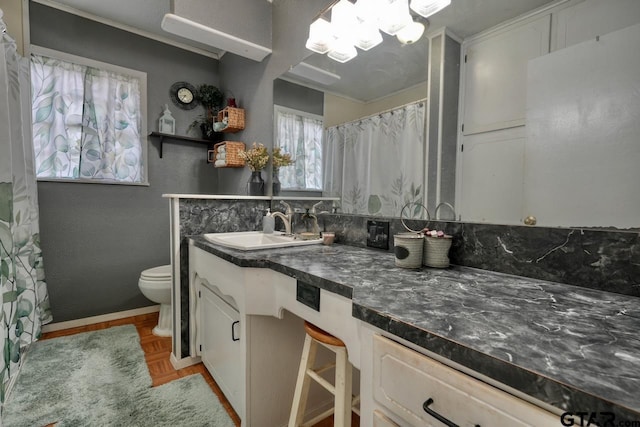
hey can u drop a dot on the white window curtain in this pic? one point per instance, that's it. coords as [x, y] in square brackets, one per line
[86, 122]
[300, 134]
[381, 162]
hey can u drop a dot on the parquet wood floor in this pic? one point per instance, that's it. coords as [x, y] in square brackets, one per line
[157, 351]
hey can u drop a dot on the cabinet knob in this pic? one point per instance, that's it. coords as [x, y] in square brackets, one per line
[530, 220]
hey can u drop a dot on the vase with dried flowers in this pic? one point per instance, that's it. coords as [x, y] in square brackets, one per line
[256, 158]
[279, 160]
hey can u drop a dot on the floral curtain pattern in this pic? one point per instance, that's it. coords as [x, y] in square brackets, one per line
[382, 162]
[23, 291]
[301, 136]
[86, 122]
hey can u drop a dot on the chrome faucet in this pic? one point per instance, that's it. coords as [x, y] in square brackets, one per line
[313, 208]
[285, 217]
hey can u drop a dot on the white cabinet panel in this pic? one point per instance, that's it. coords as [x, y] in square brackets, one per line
[492, 176]
[403, 380]
[220, 340]
[590, 18]
[583, 151]
[496, 73]
[381, 420]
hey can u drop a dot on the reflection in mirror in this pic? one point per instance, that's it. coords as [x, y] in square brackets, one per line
[299, 136]
[374, 124]
[382, 158]
[375, 162]
[298, 131]
[548, 122]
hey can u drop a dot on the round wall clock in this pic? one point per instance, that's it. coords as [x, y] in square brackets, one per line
[183, 95]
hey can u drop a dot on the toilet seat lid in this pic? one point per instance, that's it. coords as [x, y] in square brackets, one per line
[163, 271]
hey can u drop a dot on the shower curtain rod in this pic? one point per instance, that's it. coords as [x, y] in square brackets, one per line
[379, 113]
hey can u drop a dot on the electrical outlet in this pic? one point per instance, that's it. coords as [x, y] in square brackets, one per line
[378, 234]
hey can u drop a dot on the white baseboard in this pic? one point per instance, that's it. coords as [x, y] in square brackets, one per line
[184, 362]
[98, 319]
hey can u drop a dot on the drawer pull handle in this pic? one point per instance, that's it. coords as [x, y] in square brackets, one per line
[436, 415]
[233, 331]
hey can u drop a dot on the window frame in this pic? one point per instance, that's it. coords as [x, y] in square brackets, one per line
[141, 75]
[277, 108]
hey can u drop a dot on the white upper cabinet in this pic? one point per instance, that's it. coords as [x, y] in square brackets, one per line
[591, 18]
[495, 75]
[582, 151]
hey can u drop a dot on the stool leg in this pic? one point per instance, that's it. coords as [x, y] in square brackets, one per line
[301, 393]
[342, 415]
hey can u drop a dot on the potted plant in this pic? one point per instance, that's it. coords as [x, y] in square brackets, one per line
[256, 158]
[279, 160]
[210, 97]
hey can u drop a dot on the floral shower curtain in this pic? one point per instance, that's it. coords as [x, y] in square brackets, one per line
[23, 292]
[377, 163]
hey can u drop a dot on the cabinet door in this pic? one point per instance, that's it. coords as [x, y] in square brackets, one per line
[495, 73]
[582, 151]
[591, 18]
[491, 178]
[220, 341]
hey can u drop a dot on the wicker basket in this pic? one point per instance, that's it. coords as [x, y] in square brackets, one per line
[234, 118]
[232, 151]
[408, 250]
[436, 251]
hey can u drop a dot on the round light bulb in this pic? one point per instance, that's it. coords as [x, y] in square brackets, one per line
[411, 33]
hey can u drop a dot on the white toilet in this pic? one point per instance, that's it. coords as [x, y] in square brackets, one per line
[155, 284]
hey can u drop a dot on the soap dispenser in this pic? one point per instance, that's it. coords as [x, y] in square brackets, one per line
[268, 222]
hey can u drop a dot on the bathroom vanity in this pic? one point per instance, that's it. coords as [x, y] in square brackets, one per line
[510, 350]
[246, 326]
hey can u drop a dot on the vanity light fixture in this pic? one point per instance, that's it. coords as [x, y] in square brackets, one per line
[394, 16]
[321, 36]
[359, 24]
[343, 23]
[411, 33]
[343, 51]
[427, 8]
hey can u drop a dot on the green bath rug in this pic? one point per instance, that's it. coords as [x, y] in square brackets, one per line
[100, 378]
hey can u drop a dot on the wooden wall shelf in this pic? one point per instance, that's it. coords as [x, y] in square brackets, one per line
[163, 136]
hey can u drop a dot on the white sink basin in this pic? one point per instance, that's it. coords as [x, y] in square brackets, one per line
[252, 240]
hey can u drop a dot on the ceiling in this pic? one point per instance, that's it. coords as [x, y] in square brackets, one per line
[388, 67]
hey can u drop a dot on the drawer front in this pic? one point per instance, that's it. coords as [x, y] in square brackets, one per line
[404, 379]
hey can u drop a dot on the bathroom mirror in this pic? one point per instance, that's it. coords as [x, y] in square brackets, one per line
[465, 18]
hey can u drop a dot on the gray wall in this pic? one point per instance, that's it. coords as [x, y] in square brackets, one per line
[252, 82]
[96, 239]
[291, 95]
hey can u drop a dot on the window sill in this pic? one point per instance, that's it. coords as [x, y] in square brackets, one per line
[92, 181]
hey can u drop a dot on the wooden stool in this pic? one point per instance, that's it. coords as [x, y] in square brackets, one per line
[341, 389]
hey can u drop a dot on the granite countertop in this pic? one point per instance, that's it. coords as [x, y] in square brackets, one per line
[575, 348]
